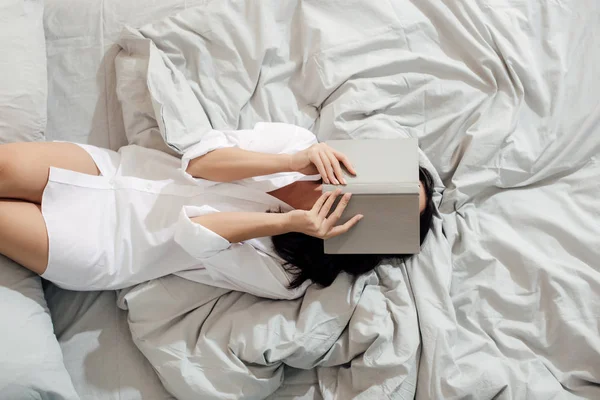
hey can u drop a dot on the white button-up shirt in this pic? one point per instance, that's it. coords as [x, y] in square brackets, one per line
[137, 217]
[251, 266]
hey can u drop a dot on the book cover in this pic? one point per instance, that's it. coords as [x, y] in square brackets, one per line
[386, 191]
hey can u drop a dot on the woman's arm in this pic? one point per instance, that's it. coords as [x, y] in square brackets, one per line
[237, 227]
[231, 163]
[318, 222]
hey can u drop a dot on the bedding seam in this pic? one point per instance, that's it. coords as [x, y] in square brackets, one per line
[105, 70]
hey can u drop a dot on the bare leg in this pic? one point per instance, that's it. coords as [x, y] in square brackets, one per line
[23, 235]
[24, 167]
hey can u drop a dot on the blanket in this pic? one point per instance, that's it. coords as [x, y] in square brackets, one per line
[502, 302]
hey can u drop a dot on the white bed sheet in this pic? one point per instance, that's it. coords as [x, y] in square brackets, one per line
[503, 97]
[80, 36]
[92, 331]
[97, 348]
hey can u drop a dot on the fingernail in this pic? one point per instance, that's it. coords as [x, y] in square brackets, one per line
[343, 181]
[337, 182]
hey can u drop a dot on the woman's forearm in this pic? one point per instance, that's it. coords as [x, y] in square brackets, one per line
[239, 226]
[230, 164]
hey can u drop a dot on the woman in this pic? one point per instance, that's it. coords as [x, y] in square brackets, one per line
[88, 218]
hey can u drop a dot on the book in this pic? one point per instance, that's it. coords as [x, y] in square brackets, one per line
[386, 191]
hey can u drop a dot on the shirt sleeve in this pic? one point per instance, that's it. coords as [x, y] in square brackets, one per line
[266, 137]
[236, 266]
[195, 239]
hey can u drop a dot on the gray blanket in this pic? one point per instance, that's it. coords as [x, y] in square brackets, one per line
[503, 302]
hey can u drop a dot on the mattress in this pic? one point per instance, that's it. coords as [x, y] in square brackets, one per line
[92, 331]
[502, 302]
[80, 37]
[98, 352]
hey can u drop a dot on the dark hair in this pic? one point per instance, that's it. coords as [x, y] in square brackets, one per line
[305, 258]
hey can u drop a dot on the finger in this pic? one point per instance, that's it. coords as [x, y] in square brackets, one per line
[327, 163]
[339, 209]
[342, 157]
[337, 213]
[327, 206]
[337, 168]
[320, 167]
[338, 230]
[320, 201]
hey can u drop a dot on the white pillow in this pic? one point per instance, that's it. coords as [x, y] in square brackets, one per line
[23, 76]
[31, 362]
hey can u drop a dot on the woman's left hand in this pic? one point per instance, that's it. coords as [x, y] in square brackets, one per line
[322, 159]
[317, 222]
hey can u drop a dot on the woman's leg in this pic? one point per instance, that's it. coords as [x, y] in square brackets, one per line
[23, 235]
[24, 167]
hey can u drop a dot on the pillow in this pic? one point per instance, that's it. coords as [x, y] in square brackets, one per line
[99, 352]
[23, 77]
[31, 362]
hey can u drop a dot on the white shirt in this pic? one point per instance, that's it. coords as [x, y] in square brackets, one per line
[251, 266]
[137, 217]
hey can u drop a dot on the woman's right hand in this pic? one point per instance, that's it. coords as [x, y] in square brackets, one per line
[315, 222]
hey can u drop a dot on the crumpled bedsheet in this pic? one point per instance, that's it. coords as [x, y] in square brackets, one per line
[504, 299]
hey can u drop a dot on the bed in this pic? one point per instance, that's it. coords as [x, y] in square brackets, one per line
[504, 299]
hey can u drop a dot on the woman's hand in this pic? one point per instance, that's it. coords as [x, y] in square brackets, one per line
[321, 159]
[316, 222]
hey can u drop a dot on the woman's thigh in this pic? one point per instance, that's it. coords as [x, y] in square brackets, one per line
[23, 234]
[24, 167]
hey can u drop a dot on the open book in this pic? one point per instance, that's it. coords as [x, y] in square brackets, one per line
[386, 191]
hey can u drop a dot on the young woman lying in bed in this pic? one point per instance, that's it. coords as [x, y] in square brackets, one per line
[88, 218]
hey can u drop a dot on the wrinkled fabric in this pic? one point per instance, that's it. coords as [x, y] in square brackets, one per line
[23, 74]
[31, 362]
[503, 301]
